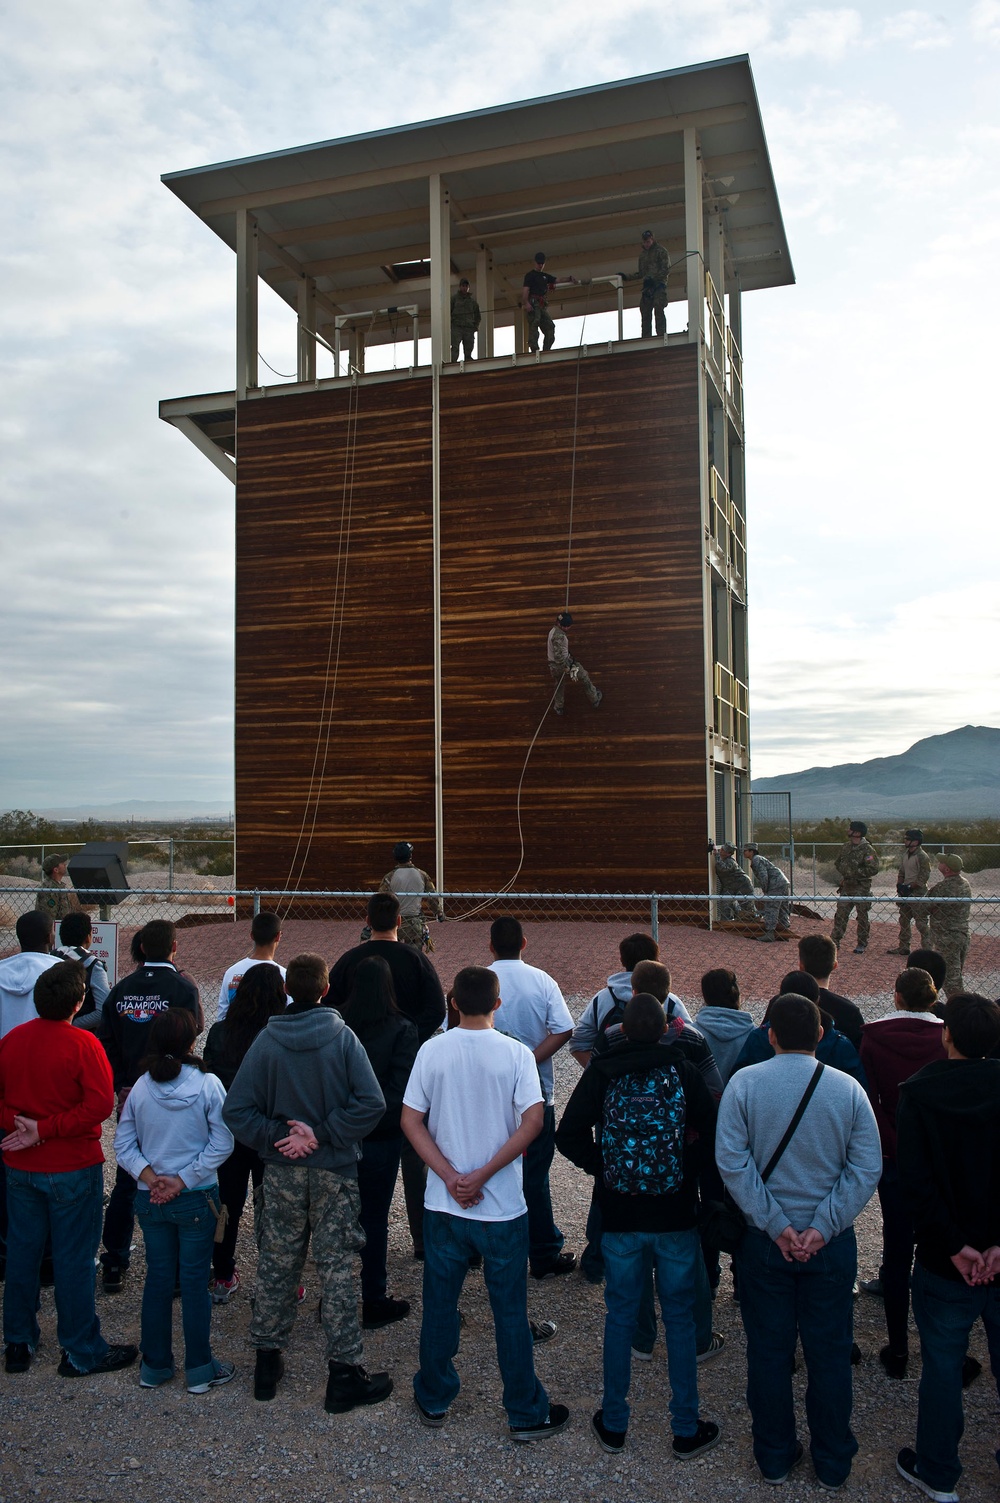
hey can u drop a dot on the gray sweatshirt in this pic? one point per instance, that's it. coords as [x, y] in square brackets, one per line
[828, 1172]
[307, 1066]
[175, 1127]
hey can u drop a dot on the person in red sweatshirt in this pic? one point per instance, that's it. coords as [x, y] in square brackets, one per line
[892, 1050]
[56, 1091]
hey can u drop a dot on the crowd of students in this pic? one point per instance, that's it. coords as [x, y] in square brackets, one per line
[704, 1135]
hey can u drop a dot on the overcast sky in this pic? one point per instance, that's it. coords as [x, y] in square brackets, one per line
[871, 385]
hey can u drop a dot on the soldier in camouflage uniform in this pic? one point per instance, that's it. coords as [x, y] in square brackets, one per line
[408, 883]
[857, 864]
[774, 884]
[465, 320]
[563, 666]
[654, 269]
[733, 881]
[950, 921]
[911, 882]
[304, 1097]
[54, 897]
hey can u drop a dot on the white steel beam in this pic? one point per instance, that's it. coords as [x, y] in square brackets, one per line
[190, 429]
[440, 210]
[306, 360]
[484, 297]
[246, 304]
[694, 225]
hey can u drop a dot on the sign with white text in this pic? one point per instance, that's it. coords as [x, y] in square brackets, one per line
[104, 945]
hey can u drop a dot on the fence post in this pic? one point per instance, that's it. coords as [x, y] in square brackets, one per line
[654, 916]
[256, 902]
[814, 868]
[170, 883]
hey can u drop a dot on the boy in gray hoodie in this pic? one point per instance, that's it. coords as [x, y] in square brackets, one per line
[304, 1097]
[721, 1020]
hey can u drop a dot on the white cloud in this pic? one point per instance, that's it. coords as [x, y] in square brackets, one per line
[918, 29]
[984, 19]
[823, 34]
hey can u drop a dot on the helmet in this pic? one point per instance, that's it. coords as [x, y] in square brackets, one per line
[858, 827]
[402, 851]
[917, 835]
[564, 618]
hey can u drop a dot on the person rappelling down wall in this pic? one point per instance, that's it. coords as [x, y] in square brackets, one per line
[563, 666]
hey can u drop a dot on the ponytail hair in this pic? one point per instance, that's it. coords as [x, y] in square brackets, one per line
[171, 1040]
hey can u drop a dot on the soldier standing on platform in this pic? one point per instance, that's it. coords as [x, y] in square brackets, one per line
[857, 864]
[465, 320]
[775, 885]
[408, 884]
[733, 881]
[911, 882]
[654, 269]
[563, 665]
[949, 922]
[538, 283]
[54, 897]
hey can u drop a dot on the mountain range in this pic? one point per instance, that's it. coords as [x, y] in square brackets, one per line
[144, 809]
[954, 775]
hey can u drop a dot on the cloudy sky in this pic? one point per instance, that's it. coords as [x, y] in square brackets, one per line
[875, 613]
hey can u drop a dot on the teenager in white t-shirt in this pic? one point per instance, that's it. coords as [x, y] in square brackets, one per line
[480, 1095]
[265, 931]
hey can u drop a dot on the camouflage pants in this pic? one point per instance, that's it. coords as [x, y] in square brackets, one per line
[411, 931]
[954, 948]
[579, 675]
[914, 913]
[734, 906]
[777, 914]
[653, 301]
[464, 339]
[539, 318]
[851, 900]
[300, 1202]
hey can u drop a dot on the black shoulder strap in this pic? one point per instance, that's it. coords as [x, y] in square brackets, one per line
[790, 1129]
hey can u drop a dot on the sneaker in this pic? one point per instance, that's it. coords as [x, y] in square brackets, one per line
[17, 1357]
[872, 1287]
[906, 1466]
[687, 1447]
[225, 1372]
[893, 1362]
[563, 1262]
[542, 1330]
[713, 1349]
[429, 1418]
[778, 1478]
[382, 1312]
[349, 1385]
[268, 1372]
[223, 1288]
[765, 939]
[970, 1371]
[112, 1277]
[115, 1358]
[608, 1440]
[641, 1356]
[557, 1419]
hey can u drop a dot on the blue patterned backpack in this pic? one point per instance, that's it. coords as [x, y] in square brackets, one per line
[642, 1133]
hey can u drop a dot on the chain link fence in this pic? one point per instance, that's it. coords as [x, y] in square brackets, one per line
[574, 936]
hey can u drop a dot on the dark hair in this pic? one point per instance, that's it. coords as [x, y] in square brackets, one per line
[651, 977]
[259, 996]
[720, 988]
[136, 951]
[817, 954]
[476, 991]
[857, 827]
[34, 930]
[644, 1020]
[307, 978]
[931, 961]
[372, 998]
[383, 911]
[917, 989]
[265, 928]
[974, 1024]
[506, 938]
[796, 1022]
[636, 947]
[799, 984]
[171, 1039]
[75, 929]
[59, 989]
[158, 939]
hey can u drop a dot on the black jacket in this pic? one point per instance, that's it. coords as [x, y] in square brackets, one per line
[575, 1138]
[391, 1050]
[847, 1016]
[418, 990]
[130, 1008]
[948, 1155]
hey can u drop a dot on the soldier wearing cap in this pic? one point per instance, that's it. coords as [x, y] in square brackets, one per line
[538, 283]
[857, 864]
[54, 897]
[654, 269]
[735, 883]
[775, 885]
[949, 922]
[912, 877]
[408, 884]
[465, 320]
[563, 665]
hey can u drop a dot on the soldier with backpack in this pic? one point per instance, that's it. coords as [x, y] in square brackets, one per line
[633, 1122]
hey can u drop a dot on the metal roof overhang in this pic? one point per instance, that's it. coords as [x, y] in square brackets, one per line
[576, 174]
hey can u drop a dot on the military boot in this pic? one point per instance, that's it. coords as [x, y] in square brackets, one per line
[348, 1386]
[269, 1371]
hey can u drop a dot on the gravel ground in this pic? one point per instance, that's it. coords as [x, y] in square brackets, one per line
[104, 1438]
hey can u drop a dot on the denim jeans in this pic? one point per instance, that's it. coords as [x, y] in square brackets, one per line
[378, 1167]
[644, 1338]
[69, 1207]
[674, 1256]
[545, 1240]
[119, 1222]
[780, 1301]
[897, 1257]
[945, 1312]
[448, 1243]
[177, 1235]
